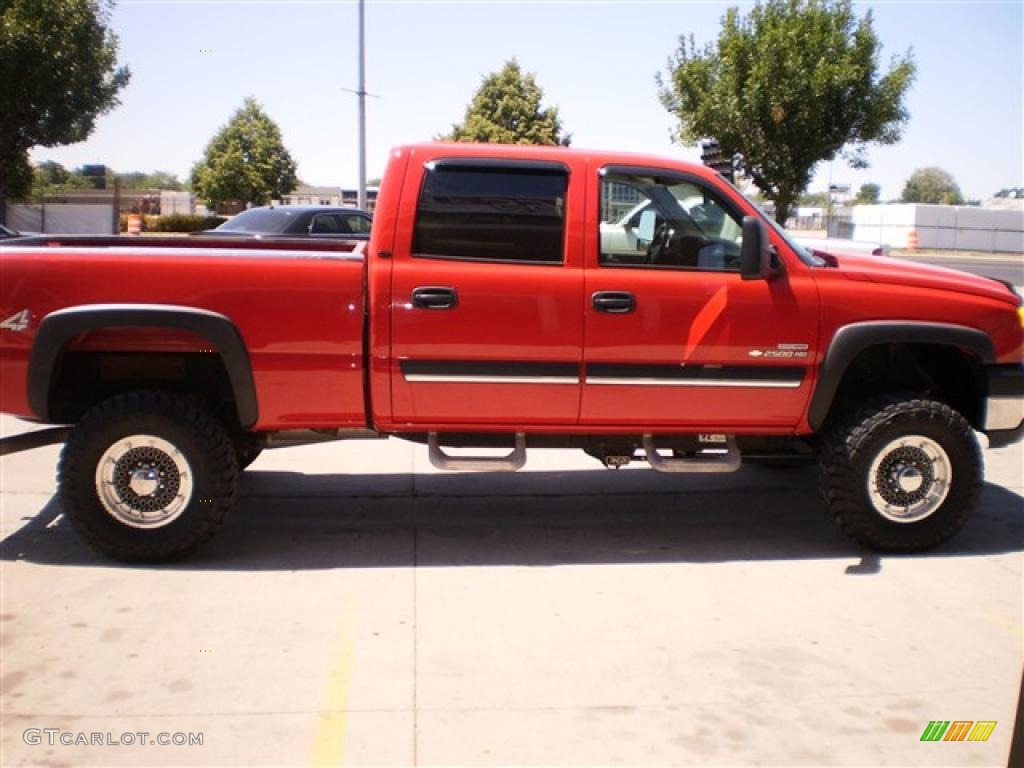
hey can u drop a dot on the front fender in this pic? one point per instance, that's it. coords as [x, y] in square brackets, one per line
[850, 340]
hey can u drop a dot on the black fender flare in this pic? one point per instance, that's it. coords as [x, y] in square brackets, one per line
[850, 340]
[60, 327]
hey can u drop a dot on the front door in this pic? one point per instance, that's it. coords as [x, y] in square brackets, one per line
[674, 336]
[487, 317]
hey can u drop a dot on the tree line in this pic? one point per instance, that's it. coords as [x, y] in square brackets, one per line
[784, 87]
[50, 179]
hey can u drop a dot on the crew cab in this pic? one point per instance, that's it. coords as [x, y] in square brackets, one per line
[497, 304]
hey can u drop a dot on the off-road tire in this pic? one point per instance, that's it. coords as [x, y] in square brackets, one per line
[183, 424]
[247, 450]
[850, 446]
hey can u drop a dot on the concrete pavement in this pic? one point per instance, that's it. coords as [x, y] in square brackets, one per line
[362, 609]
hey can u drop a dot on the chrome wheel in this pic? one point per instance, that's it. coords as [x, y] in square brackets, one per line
[144, 481]
[909, 479]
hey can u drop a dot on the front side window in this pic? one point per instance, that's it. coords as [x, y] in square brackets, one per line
[503, 214]
[666, 222]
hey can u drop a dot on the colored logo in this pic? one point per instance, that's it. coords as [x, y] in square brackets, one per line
[958, 730]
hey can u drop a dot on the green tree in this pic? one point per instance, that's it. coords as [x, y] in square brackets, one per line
[868, 194]
[51, 174]
[51, 178]
[790, 84]
[245, 162]
[58, 73]
[154, 180]
[932, 185]
[506, 110]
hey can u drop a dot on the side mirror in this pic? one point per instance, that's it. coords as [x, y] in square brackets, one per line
[646, 229]
[756, 252]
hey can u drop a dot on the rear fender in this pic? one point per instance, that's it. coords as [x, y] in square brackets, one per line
[59, 328]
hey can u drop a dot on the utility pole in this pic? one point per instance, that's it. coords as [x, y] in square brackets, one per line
[361, 93]
[828, 205]
[115, 224]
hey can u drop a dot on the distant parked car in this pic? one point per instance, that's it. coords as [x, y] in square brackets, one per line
[317, 221]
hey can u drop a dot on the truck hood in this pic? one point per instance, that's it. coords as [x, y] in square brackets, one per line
[884, 269]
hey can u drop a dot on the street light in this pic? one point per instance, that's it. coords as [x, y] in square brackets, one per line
[361, 200]
[360, 91]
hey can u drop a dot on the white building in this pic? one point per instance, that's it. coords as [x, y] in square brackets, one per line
[307, 194]
[945, 227]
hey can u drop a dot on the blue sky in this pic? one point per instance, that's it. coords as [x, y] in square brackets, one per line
[595, 60]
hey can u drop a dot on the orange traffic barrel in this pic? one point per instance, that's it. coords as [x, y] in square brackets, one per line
[912, 241]
[134, 224]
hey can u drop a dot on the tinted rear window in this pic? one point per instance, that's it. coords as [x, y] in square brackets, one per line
[259, 220]
[492, 214]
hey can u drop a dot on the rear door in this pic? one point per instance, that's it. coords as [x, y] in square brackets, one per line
[487, 317]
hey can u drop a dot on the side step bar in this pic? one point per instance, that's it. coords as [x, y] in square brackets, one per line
[509, 463]
[729, 461]
[288, 438]
[29, 440]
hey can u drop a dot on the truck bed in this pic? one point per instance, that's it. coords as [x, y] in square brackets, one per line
[298, 308]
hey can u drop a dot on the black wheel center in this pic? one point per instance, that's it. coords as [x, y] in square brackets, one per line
[895, 466]
[146, 459]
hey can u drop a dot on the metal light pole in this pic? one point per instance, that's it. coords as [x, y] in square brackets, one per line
[361, 93]
[828, 207]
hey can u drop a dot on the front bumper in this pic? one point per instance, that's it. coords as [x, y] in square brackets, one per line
[1004, 406]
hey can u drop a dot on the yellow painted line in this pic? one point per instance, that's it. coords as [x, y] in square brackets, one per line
[329, 736]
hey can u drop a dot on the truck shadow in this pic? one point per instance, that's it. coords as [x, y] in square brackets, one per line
[290, 521]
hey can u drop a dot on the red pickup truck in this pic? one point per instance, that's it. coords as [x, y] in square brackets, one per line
[636, 307]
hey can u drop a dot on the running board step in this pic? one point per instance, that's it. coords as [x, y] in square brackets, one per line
[509, 463]
[729, 461]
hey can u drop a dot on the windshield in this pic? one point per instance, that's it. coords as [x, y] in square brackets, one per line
[263, 220]
[806, 256]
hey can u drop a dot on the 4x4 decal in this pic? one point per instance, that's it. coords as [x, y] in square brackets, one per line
[17, 322]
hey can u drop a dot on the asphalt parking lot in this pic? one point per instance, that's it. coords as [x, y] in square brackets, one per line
[362, 609]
